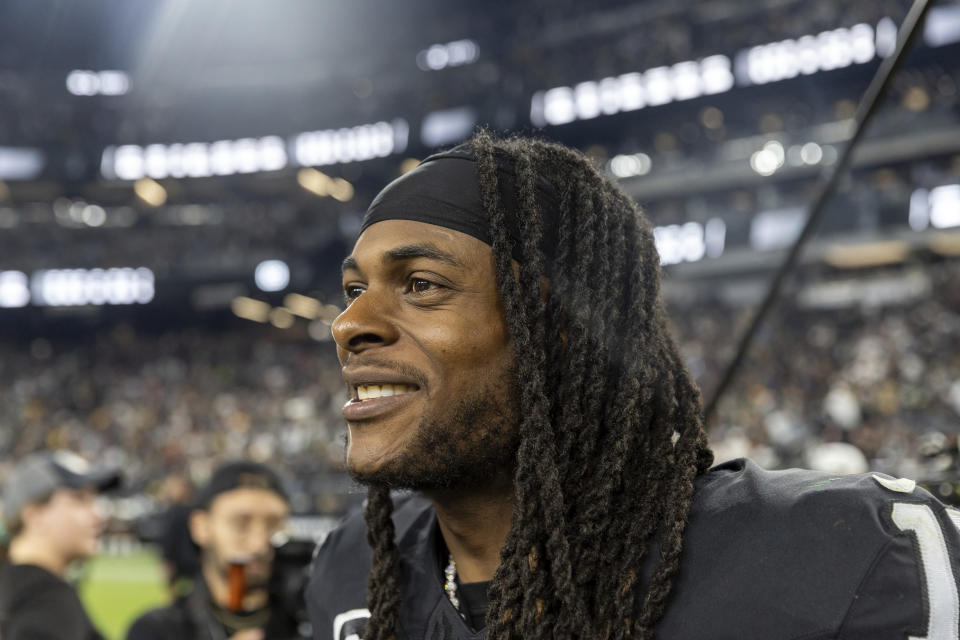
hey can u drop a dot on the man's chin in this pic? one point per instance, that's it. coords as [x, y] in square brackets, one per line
[395, 476]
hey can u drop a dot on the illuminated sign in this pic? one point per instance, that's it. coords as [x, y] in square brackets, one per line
[938, 207]
[194, 159]
[776, 229]
[828, 50]
[14, 289]
[76, 287]
[632, 91]
[690, 242]
[452, 54]
[250, 155]
[771, 62]
[21, 163]
[448, 125]
[92, 83]
[353, 144]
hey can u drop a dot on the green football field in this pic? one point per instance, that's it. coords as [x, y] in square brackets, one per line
[116, 589]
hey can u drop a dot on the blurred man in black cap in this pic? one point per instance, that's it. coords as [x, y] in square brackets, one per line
[50, 511]
[242, 507]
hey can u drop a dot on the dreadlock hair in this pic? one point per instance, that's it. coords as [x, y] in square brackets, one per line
[610, 433]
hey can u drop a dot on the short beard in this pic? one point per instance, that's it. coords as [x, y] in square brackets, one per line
[474, 445]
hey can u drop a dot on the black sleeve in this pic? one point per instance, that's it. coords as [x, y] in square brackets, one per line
[912, 587]
[51, 615]
[149, 627]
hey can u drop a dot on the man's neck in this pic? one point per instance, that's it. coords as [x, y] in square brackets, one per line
[220, 591]
[25, 550]
[474, 526]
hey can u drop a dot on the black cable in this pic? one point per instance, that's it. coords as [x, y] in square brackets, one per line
[865, 110]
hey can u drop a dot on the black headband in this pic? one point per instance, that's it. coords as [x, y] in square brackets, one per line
[444, 190]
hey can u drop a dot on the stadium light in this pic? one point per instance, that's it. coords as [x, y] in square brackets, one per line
[938, 207]
[150, 191]
[314, 181]
[194, 159]
[303, 306]
[777, 228]
[281, 318]
[14, 289]
[250, 155]
[82, 82]
[767, 160]
[352, 144]
[944, 202]
[451, 54]
[942, 26]
[250, 309]
[21, 163]
[447, 126]
[689, 242]
[272, 275]
[93, 215]
[627, 166]
[828, 50]
[871, 254]
[79, 287]
[811, 153]
[320, 184]
[631, 91]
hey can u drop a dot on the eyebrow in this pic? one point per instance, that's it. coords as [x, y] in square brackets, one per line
[409, 252]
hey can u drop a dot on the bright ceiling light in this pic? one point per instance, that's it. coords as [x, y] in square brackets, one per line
[272, 275]
[150, 191]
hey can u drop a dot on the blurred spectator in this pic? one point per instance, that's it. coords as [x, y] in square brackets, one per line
[50, 511]
[237, 514]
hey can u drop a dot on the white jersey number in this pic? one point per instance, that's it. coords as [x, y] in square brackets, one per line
[943, 616]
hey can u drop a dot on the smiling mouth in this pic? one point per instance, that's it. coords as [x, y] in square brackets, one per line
[363, 392]
[374, 401]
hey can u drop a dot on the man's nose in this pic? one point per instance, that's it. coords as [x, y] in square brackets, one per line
[365, 323]
[258, 540]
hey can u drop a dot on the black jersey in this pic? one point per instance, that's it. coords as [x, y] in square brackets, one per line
[767, 555]
[35, 604]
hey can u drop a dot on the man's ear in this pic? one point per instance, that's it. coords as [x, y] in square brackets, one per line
[200, 527]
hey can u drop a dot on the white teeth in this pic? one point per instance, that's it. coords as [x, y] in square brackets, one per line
[370, 391]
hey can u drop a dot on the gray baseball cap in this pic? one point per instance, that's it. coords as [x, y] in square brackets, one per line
[39, 475]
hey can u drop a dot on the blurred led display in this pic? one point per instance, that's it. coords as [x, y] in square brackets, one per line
[14, 289]
[77, 287]
[194, 159]
[251, 155]
[938, 207]
[834, 49]
[353, 144]
[689, 242]
[632, 91]
[21, 163]
[451, 54]
[447, 126]
[94, 83]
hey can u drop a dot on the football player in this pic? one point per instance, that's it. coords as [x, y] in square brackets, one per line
[508, 360]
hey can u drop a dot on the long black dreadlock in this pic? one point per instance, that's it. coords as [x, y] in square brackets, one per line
[610, 431]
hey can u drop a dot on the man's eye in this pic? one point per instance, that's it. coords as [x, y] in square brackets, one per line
[351, 292]
[419, 285]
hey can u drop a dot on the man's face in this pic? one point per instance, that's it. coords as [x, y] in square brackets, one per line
[237, 527]
[71, 522]
[427, 359]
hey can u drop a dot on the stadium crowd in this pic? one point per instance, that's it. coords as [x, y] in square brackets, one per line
[882, 378]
